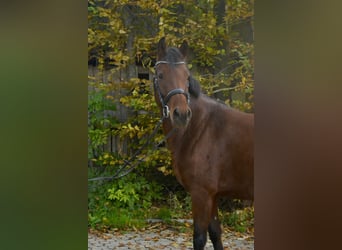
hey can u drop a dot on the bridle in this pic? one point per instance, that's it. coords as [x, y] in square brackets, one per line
[166, 99]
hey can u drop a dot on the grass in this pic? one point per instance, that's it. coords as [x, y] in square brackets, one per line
[118, 218]
[126, 219]
[106, 215]
[164, 214]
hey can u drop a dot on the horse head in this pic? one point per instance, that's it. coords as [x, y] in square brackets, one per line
[173, 83]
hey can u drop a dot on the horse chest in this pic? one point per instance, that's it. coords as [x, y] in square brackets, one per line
[188, 169]
[184, 171]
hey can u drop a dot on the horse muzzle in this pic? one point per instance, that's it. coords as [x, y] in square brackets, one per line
[180, 118]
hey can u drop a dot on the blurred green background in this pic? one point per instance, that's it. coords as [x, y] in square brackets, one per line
[43, 101]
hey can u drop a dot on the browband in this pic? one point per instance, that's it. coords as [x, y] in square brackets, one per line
[166, 62]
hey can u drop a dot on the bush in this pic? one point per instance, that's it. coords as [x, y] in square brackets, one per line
[239, 220]
[99, 123]
[133, 192]
[122, 203]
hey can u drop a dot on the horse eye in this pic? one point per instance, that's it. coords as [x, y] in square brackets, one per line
[160, 75]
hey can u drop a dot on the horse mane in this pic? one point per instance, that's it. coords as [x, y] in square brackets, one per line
[194, 87]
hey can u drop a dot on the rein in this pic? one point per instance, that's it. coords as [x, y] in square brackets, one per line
[166, 99]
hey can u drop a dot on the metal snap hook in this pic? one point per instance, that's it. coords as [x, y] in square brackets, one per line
[166, 111]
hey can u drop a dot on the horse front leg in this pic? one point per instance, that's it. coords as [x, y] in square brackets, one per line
[201, 211]
[215, 230]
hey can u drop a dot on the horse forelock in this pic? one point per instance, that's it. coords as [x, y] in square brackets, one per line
[173, 55]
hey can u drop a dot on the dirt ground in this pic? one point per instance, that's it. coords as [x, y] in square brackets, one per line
[162, 237]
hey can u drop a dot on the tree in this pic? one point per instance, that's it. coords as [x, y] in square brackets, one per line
[122, 34]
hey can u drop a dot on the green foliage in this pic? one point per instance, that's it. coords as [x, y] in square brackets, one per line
[123, 32]
[133, 192]
[140, 126]
[122, 203]
[239, 10]
[239, 220]
[178, 203]
[116, 218]
[165, 214]
[99, 124]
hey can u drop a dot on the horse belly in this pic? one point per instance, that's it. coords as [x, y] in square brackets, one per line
[237, 182]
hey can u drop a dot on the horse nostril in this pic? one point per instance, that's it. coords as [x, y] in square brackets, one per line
[176, 112]
[189, 113]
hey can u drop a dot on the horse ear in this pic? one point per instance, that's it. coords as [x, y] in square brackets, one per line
[184, 49]
[194, 87]
[161, 48]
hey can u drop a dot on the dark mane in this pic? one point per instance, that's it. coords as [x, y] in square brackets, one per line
[194, 87]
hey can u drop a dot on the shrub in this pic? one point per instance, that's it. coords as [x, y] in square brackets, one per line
[239, 220]
[133, 192]
[122, 203]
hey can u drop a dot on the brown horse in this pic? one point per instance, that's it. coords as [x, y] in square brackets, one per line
[211, 144]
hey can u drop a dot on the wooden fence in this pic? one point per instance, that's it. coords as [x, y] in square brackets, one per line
[115, 144]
